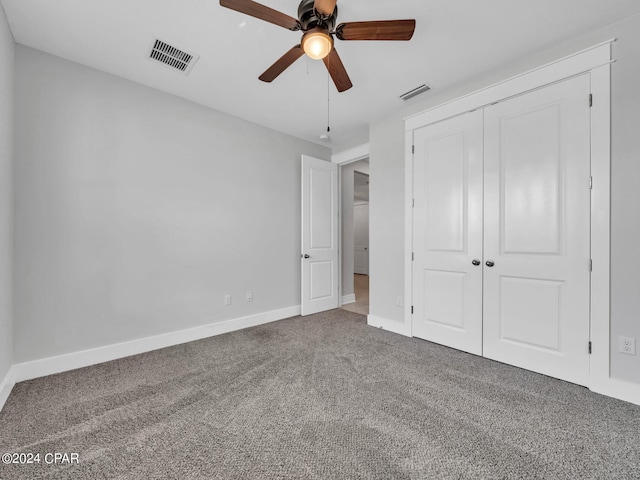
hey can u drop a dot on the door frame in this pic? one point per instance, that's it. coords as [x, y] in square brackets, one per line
[595, 61]
[352, 155]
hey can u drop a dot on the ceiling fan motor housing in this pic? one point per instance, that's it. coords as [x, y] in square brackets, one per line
[309, 18]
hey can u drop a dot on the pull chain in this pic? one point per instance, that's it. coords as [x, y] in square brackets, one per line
[328, 104]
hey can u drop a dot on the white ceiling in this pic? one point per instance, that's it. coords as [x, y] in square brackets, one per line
[455, 40]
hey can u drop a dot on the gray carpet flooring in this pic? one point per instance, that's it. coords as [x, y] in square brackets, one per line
[320, 397]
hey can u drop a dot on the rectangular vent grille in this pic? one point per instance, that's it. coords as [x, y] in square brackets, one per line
[416, 91]
[172, 56]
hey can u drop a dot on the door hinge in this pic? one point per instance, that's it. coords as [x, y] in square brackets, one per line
[413, 256]
[589, 348]
[413, 149]
[411, 309]
[591, 183]
[413, 203]
[591, 99]
[591, 264]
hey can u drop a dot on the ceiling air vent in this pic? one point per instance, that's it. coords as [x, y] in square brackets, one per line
[416, 91]
[172, 56]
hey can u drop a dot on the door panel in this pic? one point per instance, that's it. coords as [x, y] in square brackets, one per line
[361, 238]
[537, 231]
[530, 171]
[361, 260]
[321, 196]
[444, 298]
[447, 218]
[321, 277]
[530, 312]
[445, 183]
[319, 235]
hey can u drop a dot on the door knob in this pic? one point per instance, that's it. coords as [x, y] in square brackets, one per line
[489, 263]
[475, 261]
[306, 255]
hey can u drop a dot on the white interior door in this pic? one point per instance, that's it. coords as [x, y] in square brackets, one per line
[361, 238]
[537, 231]
[447, 234]
[319, 235]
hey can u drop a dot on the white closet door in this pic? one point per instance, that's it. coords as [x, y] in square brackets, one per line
[447, 219]
[537, 230]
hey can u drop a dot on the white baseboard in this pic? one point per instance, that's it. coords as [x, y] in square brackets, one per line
[6, 385]
[348, 299]
[85, 358]
[389, 325]
[612, 387]
[620, 389]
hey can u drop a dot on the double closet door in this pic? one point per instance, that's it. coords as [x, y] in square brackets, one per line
[501, 231]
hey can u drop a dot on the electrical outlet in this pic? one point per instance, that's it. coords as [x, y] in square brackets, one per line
[227, 299]
[399, 301]
[627, 345]
[249, 296]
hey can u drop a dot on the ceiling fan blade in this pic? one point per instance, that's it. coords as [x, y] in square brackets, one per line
[337, 71]
[262, 12]
[377, 30]
[325, 7]
[282, 64]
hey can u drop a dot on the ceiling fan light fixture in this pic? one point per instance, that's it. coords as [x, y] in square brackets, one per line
[317, 43]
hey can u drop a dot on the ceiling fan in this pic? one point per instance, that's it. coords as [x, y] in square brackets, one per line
[317, 19]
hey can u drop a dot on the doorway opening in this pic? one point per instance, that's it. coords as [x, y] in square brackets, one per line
[355, 237]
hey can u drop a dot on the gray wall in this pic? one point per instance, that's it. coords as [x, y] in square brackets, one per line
[387, 186]
[346, 179]
[137, 211]
[6, 198]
